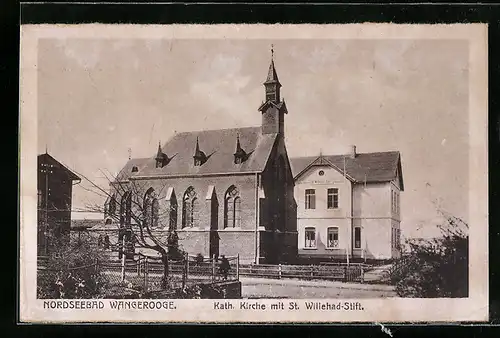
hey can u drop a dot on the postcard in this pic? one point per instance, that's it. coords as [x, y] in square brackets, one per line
[253, 173]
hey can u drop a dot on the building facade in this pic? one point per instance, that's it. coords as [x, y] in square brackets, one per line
[55, 189]
[222, 192]
[348, 206]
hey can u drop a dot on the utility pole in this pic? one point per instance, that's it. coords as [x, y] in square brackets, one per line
[46, 171]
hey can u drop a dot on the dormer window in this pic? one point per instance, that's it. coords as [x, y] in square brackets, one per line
[197, 162]
[135, 169]
[199, 156]
[161, 158]
[240, 155]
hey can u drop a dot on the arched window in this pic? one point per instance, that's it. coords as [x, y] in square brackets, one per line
[172, 216]
[188, 207]
[151, 208]
[126, 209]
[112, 205]
[232, 208]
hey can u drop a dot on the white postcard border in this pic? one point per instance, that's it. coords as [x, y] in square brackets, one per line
[474, 308]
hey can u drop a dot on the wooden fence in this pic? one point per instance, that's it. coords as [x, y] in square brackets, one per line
[346, 273]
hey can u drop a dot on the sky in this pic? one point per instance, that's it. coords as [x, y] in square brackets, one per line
[98, 99]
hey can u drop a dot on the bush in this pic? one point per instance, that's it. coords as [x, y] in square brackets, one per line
[436, 268]
[71, 271]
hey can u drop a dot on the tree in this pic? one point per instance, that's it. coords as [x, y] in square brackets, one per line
[140, 218]
[71, 270]
[435, 268]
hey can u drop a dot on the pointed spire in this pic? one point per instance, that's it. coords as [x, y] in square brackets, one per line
[46, 149]
[199, 156]
[238, 145]
[272, 75]
[161, 158]
[240, 154]
[197, 150]
[159, 153]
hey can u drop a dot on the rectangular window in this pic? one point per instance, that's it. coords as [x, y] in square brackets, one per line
[310, 199]
[357, 238]
[333, 237]
[398, 239]
[310, 238]
[39, 198]
[333, 198]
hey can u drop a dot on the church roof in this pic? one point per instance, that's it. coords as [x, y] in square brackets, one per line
[372, 167]
[127, 172]
[218, 145]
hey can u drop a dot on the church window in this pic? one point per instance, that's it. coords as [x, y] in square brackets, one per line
[126, 209]
[135, 169]
[333, 198]
[357, 238]
[310, 199]
[232, 208]
[333, 237]
[172, 223]
[310, 237]
[151, 209]
[112, 205]
[189, 203]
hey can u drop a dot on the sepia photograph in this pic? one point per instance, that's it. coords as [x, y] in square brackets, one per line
[232, 173]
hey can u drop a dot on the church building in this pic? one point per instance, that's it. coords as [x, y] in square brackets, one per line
[223, 192]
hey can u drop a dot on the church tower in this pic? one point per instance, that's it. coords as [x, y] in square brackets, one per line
[273, 109]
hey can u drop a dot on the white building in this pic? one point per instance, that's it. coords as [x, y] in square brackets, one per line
[348, 206]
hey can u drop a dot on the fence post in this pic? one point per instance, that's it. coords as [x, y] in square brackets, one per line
[312, 271]
[362, 274]
[187, 266]
[139, 267]
[146, 272]
[213, 268]
[279, 271]
[238, 267]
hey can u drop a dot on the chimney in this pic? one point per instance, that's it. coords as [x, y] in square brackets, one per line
[353, 151]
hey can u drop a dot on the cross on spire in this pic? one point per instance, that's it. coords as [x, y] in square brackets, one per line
[272, 52]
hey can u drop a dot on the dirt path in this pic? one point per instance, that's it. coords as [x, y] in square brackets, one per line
[288, 288]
